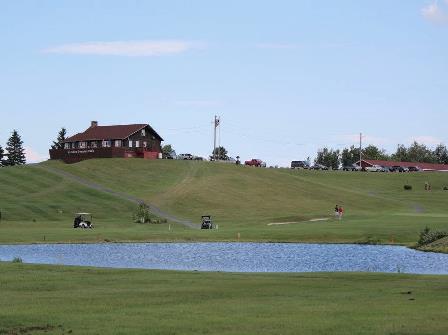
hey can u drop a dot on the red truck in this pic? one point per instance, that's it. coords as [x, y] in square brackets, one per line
[255, 162]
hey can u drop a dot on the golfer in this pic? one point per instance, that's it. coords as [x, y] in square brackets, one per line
[341, 212]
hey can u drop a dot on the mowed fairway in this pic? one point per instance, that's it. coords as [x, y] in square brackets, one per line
[241, 200]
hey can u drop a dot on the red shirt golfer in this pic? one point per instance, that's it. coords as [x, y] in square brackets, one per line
[341, 212]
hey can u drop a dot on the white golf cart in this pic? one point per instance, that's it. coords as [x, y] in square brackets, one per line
[83, 220]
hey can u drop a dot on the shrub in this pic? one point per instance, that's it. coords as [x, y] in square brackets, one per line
[427, 236]
[17, 260]
[445, 188]
[142, 215]
[407, 187]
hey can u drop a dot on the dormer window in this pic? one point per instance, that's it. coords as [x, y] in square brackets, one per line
[143, 132]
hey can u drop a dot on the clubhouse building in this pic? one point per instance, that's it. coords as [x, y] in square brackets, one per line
[124, 141]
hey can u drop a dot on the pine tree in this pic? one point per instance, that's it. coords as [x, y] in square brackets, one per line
[2, 153]
[59, 143]
[14, 147]
[220, 153]
[441, 154]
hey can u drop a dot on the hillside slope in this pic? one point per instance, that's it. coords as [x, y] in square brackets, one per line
[260, 204]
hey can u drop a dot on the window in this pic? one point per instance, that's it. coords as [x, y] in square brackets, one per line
[137, 144]
[93, 144]
[82, 145]
[118, 143]
[143, 132]
[145, 144]
[67, 145]
[107, 144]
[130, 143]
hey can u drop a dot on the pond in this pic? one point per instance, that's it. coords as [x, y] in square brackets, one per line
[234, 257]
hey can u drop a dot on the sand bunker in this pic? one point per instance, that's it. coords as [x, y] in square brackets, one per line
[311, 220]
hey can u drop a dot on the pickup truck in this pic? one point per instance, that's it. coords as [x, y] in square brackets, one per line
[255, 162]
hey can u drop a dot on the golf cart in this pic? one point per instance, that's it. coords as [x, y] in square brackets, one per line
[83, 220]
[206, 222]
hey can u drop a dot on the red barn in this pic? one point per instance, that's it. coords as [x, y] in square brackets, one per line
[131, 140]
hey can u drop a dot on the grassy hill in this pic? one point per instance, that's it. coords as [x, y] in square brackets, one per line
[244, 200]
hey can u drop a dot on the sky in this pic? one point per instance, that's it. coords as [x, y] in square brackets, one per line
[285, 77]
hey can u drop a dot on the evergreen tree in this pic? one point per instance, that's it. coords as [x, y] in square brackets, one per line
[328, 158]
[420, 153]
[14, 147]
[220, 153]
[401, 154]
[373, 152]
[441, 154]
[168, 151]
[349, 156]
[59, 143]
[2, 153]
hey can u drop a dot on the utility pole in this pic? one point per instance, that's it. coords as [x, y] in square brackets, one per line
[360, 150]
[215, 125]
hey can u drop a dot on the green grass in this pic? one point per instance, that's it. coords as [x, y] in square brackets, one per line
[440, 245]
[241, 200]
[60, 300]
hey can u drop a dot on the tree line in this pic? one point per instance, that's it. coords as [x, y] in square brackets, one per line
[14, 152]
[416, 152]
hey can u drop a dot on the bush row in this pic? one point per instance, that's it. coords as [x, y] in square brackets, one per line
[427, 236]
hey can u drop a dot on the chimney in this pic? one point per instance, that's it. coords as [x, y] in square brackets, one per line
[93, 124]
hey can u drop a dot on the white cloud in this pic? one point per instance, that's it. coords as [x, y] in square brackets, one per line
[436, 13]
[124, 48]
[427, 140]
[33, 156]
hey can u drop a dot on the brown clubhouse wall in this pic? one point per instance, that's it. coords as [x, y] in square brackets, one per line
[77, 155]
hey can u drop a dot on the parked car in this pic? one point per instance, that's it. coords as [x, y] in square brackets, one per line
[255, 162]
[319, 167]
[185, 156]
[169, 155]
[397, 168]
[414, 169]
[374, 168]
[353, 167]
[299, 165]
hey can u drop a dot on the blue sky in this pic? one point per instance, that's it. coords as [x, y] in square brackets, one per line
[286, 77]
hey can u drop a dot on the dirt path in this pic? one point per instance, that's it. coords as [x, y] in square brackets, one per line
[128, 197]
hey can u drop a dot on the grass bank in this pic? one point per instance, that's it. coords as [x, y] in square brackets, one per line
[77, 300]
[38, 205]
